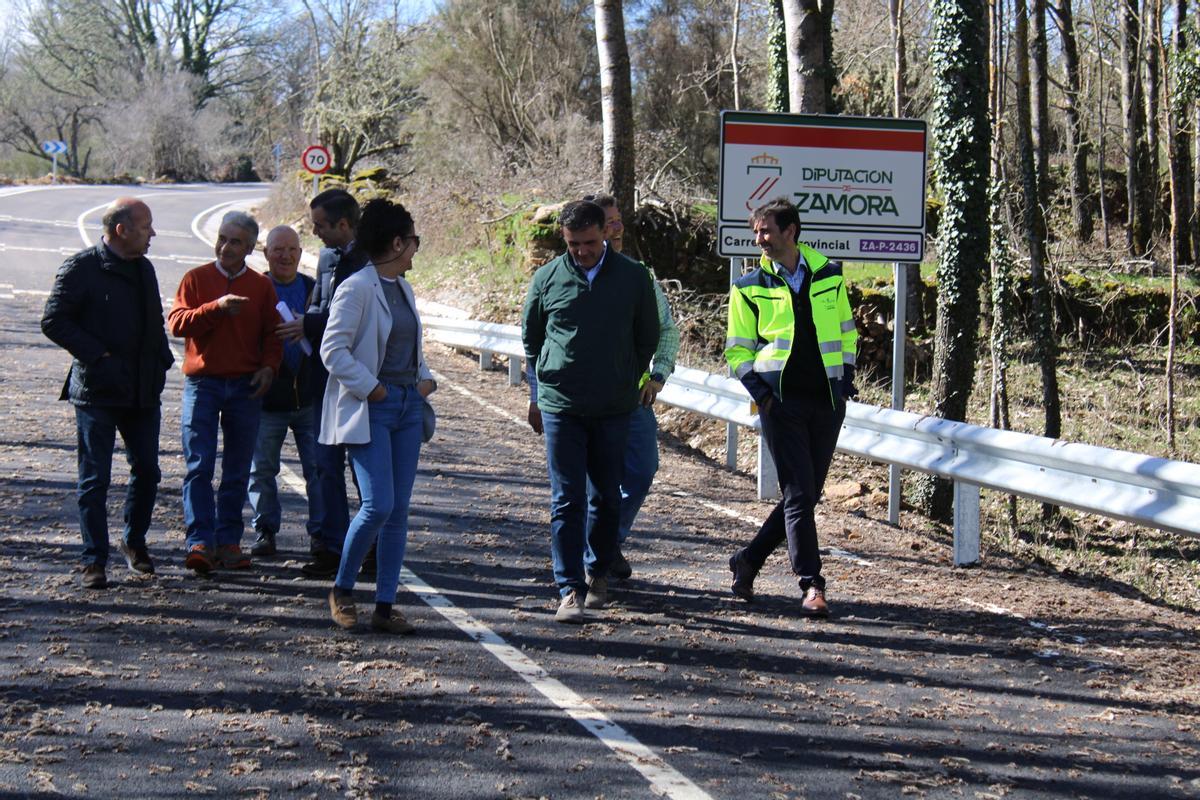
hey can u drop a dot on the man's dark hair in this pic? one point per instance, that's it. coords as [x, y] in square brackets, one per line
[781, 211]
[602, 200]
[117, 215]
[580, 214]
[382, 221]
[338, 205]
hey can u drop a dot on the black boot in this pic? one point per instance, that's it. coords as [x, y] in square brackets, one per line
[743, 576]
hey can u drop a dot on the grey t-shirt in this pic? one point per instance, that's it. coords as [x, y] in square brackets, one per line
[400, 358]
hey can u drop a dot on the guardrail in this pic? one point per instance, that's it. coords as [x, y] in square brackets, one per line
[1155, 492]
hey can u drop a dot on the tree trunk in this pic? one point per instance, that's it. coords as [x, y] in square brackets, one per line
[1044, 346]
[1176, 108]
[616, 104]
[733, 55]
[1101, 137]
[1179, 164]
[961, 140]
[1040, 78]
[1000, 223]
[1077, 145]
[1151, 34]
[912, 302]
[899, 58]
[808, 64]
[1137, 228]
[777, 68]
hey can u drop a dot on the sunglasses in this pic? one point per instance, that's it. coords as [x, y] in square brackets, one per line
[416, 240]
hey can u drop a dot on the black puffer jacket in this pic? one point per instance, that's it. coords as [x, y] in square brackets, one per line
[103, 304]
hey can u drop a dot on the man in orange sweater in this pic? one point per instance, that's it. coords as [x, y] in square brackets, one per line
[227, 314]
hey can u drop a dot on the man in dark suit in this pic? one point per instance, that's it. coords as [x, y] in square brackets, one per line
[335, 215]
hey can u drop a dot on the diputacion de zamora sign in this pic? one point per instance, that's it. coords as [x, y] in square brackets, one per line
[858, 182]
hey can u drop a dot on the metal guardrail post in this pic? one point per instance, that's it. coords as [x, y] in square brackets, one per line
[768, 477]
[731, 439]
[966, 524]
[894, 493]
[514, 371]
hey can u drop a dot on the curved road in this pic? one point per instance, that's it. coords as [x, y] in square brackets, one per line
[1001, 681]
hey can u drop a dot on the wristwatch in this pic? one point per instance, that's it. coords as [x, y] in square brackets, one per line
[657, 377]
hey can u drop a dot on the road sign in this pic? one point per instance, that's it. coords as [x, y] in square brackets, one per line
[316, 159]
[54, 147]
[859, 182]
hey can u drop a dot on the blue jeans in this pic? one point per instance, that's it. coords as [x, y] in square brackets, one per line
[579, 450]
[96, 431]
[210, 404]
[273, 427]
[386, 468]
[331, 487]
[641, 464]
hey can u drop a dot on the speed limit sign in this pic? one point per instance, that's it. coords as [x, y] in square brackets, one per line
[316, 159]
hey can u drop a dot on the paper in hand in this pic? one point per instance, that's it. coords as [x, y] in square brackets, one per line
[288, 316]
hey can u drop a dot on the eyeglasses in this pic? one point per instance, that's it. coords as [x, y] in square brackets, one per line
[416, 240]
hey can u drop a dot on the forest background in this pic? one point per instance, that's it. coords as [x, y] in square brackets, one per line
[1059, 295]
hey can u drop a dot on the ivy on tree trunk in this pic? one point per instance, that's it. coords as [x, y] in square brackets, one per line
[962, 136]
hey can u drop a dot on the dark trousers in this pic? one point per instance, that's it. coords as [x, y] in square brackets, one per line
[579, 451]
[801, 437]
[96, 431]
[331, 480]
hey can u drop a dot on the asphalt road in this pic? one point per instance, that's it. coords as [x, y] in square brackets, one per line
[1001, 681]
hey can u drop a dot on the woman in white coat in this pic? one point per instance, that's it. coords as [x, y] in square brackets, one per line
[375, 405]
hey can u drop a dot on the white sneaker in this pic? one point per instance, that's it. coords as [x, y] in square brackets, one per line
[597, 594]
[569, 610]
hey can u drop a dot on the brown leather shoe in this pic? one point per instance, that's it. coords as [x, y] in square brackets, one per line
[814, 604]
[342, 610]
[394, 624]
[94, 577]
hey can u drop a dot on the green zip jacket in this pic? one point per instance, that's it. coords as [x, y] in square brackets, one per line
[762, 325]
[590, 344]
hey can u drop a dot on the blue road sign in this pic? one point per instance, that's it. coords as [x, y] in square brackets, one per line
[54, 147]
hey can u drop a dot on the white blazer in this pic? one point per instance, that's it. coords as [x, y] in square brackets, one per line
[352, 350]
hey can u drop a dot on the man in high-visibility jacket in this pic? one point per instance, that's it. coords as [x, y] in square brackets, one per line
[792, 343]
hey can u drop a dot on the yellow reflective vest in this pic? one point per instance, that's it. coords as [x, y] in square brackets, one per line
[762, 324]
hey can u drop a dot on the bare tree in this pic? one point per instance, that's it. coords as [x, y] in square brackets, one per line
[1137, 158]
[1078, 146]
[808, 26]
[616, 101]
[1044, 344]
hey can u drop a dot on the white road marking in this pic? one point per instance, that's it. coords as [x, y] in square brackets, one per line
[664, 779]
[62, 223]
[1042, 627]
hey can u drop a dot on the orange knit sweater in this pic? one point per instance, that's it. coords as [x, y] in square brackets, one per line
[221, 345]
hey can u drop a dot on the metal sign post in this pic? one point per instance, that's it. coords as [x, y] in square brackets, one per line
[899, 337]
[53, 148]
[859, 184]
[317, 161]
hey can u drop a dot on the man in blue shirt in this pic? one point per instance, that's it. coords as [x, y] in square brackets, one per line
[288, 404]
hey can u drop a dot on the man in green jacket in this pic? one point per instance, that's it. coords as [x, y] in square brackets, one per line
[589, 326]
[792, 342]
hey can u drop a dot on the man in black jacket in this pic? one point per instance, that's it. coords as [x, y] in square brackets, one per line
[334, 215]
[105, 310]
